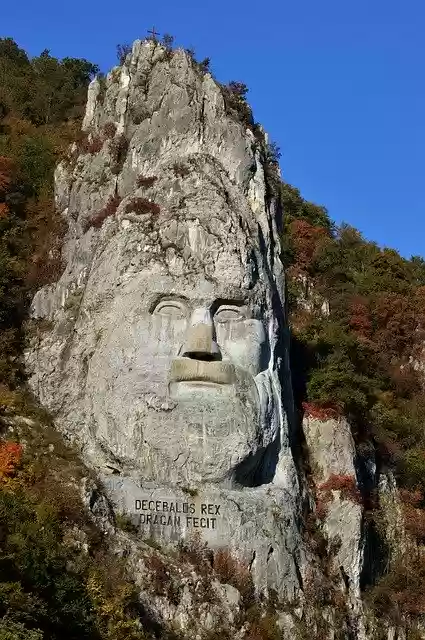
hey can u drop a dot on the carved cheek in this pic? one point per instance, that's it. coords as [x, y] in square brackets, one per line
[168, 333]
[243, 343]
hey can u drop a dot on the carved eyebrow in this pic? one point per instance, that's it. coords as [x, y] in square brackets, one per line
[167, 297]
[227, 302]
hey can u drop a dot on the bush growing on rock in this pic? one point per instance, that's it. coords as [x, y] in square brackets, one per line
[168, 40]
[141, 206]
[106, 212]
[89, 144]
[204, 65]
[145, 182]
[110, 129]
[122, 52]
[180, 170]
[347, 485]
[232, 571]
[118, 148]
[234, 94]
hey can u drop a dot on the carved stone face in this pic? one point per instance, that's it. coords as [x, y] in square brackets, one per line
[169, 371]
[180, 378]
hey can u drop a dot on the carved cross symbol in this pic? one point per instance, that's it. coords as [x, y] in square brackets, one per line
[154, 33]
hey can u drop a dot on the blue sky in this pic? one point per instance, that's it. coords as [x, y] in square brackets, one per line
[338, 84]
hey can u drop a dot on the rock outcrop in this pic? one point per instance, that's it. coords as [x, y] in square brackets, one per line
[167, 360]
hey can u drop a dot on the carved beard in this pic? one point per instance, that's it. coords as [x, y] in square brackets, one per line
[207, 435]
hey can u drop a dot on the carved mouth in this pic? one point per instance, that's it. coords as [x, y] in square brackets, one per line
[201, 372]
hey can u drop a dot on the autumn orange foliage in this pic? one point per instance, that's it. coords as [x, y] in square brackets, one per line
[10, 458]
[346, 484]
[360, 318]
[107, 211]
[6, 170]
[307, 241]
[232, 571]
[322, 508]
[414, 516]
[312, 410]
[411, 498]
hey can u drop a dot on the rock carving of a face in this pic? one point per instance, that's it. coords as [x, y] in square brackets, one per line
[170, 370]
[183, 377]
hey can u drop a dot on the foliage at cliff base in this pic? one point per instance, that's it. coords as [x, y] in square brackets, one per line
[357, 315]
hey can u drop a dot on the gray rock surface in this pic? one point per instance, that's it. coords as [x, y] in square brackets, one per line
[168, 360]
[332, 456]
[167, 364]
[256, 527]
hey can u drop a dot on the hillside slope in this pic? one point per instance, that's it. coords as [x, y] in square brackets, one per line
[356, 319]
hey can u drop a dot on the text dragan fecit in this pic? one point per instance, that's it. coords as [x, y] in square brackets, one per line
[161, 512]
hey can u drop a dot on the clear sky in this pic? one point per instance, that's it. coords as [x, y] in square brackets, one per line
[338, 84]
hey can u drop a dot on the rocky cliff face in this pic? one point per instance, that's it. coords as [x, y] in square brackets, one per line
[167, 358]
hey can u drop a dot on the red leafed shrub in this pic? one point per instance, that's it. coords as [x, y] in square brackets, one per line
[110, 129]
[360, 319]
[45, 270]
[196, 552]
[420, 302]
[414, 516]
[6, 171]
[346, 484]
[414, 521]
[92, 146]
[145, 182]
[10, 457]
[108, 210]
[312, 410]
[142, 205]
[307, 240]
[412, 498]
[396, 321]
[95, 145]
[405, 380]
[399, 594]
[231, 571]
[4, 211]
[388, 450]
[321, 510]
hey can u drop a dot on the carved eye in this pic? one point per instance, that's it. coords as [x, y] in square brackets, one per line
[171, 308]
[228, 314]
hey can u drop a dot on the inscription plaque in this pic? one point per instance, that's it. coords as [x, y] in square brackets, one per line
[178, 514]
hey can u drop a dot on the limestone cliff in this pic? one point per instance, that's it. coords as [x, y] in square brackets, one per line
[167, 359]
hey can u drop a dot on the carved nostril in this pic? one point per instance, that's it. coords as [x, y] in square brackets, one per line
[200, 344]
[201, 355]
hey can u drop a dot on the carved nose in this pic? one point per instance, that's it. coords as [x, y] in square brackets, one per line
[200, 343]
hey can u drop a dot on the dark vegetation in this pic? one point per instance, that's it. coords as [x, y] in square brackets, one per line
[50, 586]
[141, 206]
[41, 104]
[118, 148]
[357, 320]
[235, 99]
[359, 354]
[357, 315]
[108, 210]
[110, 129]
[145, 182]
